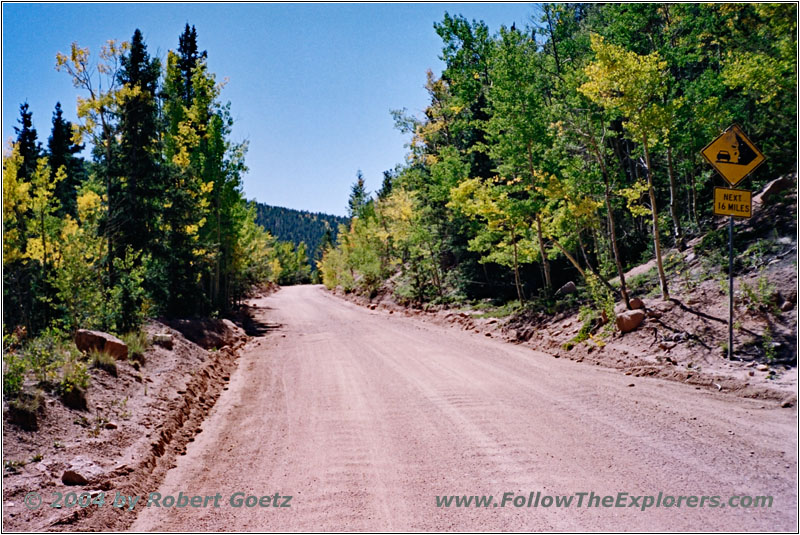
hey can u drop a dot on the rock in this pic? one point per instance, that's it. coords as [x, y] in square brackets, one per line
[110, 425]
[628, 321]
[776, 186]
[209, 333]
[788, 402]
[87, 340]
[690, 257]
[164, 340]
[81, 471]
[787, 306]
[525, 334]
[568, 288]
[666, 346]
[762, 367]
[637, 303]
[373, 306]
[655, 314]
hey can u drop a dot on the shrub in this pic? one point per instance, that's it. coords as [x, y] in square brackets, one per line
[137, 343]
[45, 353]
[74, 375]
[104, 361]
[13, 375]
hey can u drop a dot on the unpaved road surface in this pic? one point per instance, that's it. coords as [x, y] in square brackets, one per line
[365, 417]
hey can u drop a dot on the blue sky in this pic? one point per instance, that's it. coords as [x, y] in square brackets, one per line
[310, 85]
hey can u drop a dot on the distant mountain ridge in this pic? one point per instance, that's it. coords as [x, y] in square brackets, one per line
[288, 224]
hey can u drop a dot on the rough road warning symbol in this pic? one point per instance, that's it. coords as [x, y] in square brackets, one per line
[733, 155]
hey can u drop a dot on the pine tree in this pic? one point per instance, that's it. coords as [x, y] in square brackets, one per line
[386, 185]
[358, 197]
[142, 190]
[188, 58]
[62, 151]
[29, 148]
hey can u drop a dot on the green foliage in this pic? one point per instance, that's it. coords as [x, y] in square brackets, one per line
[767, 345]
[14, 369]
[293, 260]
[127, 303]
[157, 223]
[74, 375]
[760, 296]
[103, 361]
[316, 230]
[543, 156]
[602, 299]
[138, 343]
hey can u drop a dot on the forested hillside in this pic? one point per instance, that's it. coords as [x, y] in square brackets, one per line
[153, 223]
[569, 149]
[299, 226]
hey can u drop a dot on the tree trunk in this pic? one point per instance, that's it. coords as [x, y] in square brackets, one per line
[570, 258]
[517, 283]
[436, 279]
[673, 200]
[547, 281]
[694, 201]
[592, 268]
[656, 240]
[612, 230]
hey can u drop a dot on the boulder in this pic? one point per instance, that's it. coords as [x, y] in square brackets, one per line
[81, 471]
[209, 333]
[636, 303]
[99, 341]
[630, 320]
[787, 306]
[568, 288]
[776, 186]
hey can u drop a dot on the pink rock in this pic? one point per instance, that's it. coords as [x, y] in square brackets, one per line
[99, 341]
[628, 321]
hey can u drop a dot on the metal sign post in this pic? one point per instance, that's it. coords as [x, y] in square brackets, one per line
[734, 157]
[730, 288]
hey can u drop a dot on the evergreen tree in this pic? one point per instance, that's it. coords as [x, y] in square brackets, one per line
[386, 185]
[62, 151]
[358, 197]
[29, 148]
[142, 190]
[188, 58]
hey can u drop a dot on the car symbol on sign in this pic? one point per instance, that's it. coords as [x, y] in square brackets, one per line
[723, 156]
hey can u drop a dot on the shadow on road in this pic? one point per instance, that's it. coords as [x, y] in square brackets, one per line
[246, 318]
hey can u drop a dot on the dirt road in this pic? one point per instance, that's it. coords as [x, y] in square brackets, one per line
[365, 417]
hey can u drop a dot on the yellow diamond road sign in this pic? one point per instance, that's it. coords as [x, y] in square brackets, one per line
[733, 155]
